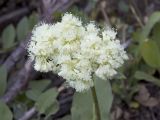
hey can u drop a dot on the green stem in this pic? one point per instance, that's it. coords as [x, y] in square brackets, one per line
[96, 105]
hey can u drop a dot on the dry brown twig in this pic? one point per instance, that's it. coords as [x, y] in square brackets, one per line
[102, 8]
[16, 55]
[21, 81]
[28, 115]
[134, 12]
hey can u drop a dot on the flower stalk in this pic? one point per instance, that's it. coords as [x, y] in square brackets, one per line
[96, 105]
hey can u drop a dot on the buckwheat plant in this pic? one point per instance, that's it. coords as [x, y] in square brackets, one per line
[76, 52]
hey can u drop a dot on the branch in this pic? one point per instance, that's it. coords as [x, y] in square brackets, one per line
[102, 8]
[136, 15]
[21, 81]
[126, 44]
[28, 115]
[16, 55]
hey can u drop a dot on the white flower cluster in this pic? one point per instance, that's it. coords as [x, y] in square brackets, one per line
[76, 52]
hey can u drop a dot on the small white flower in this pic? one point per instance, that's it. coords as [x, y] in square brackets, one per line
[41, 64]
[76, 52]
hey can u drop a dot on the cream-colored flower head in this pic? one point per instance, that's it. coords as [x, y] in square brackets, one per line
[76, 52]
[41, 47]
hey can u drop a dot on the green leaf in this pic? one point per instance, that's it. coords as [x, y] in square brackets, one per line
[156, 35]
[33, 19]
[52, 109]
[47, 103]
[22, 28]
[5, 113]
[105, 97]
[82, 106]
[153, 19]
[146, 68]
[138, 36]
[3, 80]
[39, 85]
[33, 94]
[8, 36]
[144, 76]
[36, 88]
[150, 53]
[135, 51]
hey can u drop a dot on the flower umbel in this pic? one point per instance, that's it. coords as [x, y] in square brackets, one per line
[76, 52]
